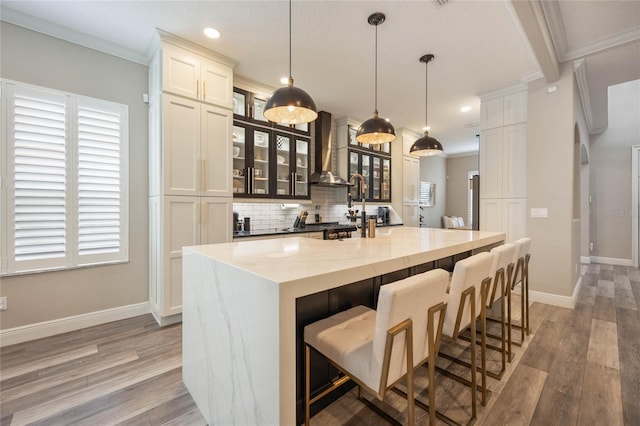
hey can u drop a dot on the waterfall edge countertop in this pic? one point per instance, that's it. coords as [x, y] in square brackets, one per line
[239, 309]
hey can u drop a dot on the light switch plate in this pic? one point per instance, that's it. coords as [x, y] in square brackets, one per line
[539, 212]
[3, 303]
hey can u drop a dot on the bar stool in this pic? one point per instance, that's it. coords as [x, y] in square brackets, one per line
[466, 304]
[501, 271]
[377, 349]
[521, 276]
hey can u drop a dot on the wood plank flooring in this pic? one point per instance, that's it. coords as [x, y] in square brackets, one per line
[577, 367]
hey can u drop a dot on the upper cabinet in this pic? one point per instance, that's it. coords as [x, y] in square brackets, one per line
[193, 76]
[373, 162]
[504, 111]
[269, 161]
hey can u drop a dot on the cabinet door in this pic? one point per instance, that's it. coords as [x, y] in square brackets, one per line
[354, 167]
[216, 220]
[514, 217]
[515, 108]
[410, 214]
[180, 71]
[514, 175]
[365, 164]
[386, 180]
[216, 128]
[285, 155]
[259, 184]
[491, 114]
[181, 229]
[240, 156]
[376, 178]
[181, 146]
[407, 142]
[410, 179]
[491, 163]
[302, 168]
[217, 83]
[491, 214]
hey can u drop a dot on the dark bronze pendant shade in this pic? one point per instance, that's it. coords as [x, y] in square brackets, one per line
[290, 105]
[376, 130]
[426, 145]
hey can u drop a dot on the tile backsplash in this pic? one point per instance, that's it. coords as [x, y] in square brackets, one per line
[332, 204]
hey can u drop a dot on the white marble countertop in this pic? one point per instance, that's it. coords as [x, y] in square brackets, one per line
[296, 260]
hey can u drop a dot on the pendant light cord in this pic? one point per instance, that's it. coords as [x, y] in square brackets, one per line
[290, 75]
[376, 73]
[426, 97]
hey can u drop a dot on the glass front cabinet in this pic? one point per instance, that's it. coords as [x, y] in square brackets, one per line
[267, 162]
[373, 162]
[376, 171]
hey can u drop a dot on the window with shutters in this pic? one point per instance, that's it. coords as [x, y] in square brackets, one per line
[64, 180]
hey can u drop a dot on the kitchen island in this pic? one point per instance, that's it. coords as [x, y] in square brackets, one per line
[241, 306]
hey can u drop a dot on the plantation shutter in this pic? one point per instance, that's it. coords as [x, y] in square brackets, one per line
[99, 179]
[38, 132]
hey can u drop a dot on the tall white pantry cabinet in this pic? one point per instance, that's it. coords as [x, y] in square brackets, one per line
[190, 162]
[503, 163]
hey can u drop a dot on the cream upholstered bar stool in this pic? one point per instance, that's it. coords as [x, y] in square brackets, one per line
[377, 349]
[521, 258]
[501, 273]
[466, 304]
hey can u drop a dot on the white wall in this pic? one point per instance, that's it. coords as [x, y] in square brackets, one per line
[611, 173]
[434, 169]
[45, 61]
[550, 140]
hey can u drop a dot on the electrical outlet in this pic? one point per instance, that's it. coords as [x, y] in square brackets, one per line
[3, 303]
[590, 246]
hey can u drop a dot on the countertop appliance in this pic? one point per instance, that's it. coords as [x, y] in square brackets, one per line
[383, 215]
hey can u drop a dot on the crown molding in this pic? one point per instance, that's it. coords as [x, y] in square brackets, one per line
[193, 47]
[553, 16]
[505, 91]
[29, 22]
[580, 71]
[617, 40]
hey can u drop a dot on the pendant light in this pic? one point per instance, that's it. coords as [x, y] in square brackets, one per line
[426, 145]
[376, 130]
[290, 105]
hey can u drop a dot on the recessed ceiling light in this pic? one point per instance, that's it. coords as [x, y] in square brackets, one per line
[426, 128]
[211, 32]
[284, 80]
[465, 108]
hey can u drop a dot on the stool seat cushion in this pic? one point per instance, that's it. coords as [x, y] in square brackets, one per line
[346, 338]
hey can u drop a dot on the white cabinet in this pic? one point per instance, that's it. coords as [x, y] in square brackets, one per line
[410, 214]
[190, 164]
[410, 179]
[196, 148]
[507, 215]
[503, 162]
[193, 76]
[179, 222]
[504, 110]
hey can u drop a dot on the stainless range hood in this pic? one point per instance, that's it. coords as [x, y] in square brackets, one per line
[323, 149]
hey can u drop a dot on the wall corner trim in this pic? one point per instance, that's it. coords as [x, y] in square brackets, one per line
[39, 330]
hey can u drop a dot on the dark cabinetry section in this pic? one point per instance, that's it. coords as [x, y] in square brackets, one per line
[269, 160]
[374, 164]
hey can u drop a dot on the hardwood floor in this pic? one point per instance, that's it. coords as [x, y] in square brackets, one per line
[577, 367]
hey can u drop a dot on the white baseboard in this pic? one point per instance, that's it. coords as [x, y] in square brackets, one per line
[612, 261]
[553, 299]
[164, 321]
[24, 333]
[585, 260]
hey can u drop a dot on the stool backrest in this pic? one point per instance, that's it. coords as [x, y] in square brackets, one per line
[398, 301]
[523, 247]
[469, 272]
[502, 258]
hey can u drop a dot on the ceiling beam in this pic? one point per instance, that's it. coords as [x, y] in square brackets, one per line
[534, 24]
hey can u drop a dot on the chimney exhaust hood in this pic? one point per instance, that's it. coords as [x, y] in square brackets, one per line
[323, 149]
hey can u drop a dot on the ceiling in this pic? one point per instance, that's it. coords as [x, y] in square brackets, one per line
[479, 46]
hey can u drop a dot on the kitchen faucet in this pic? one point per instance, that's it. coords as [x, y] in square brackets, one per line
[363, 189]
